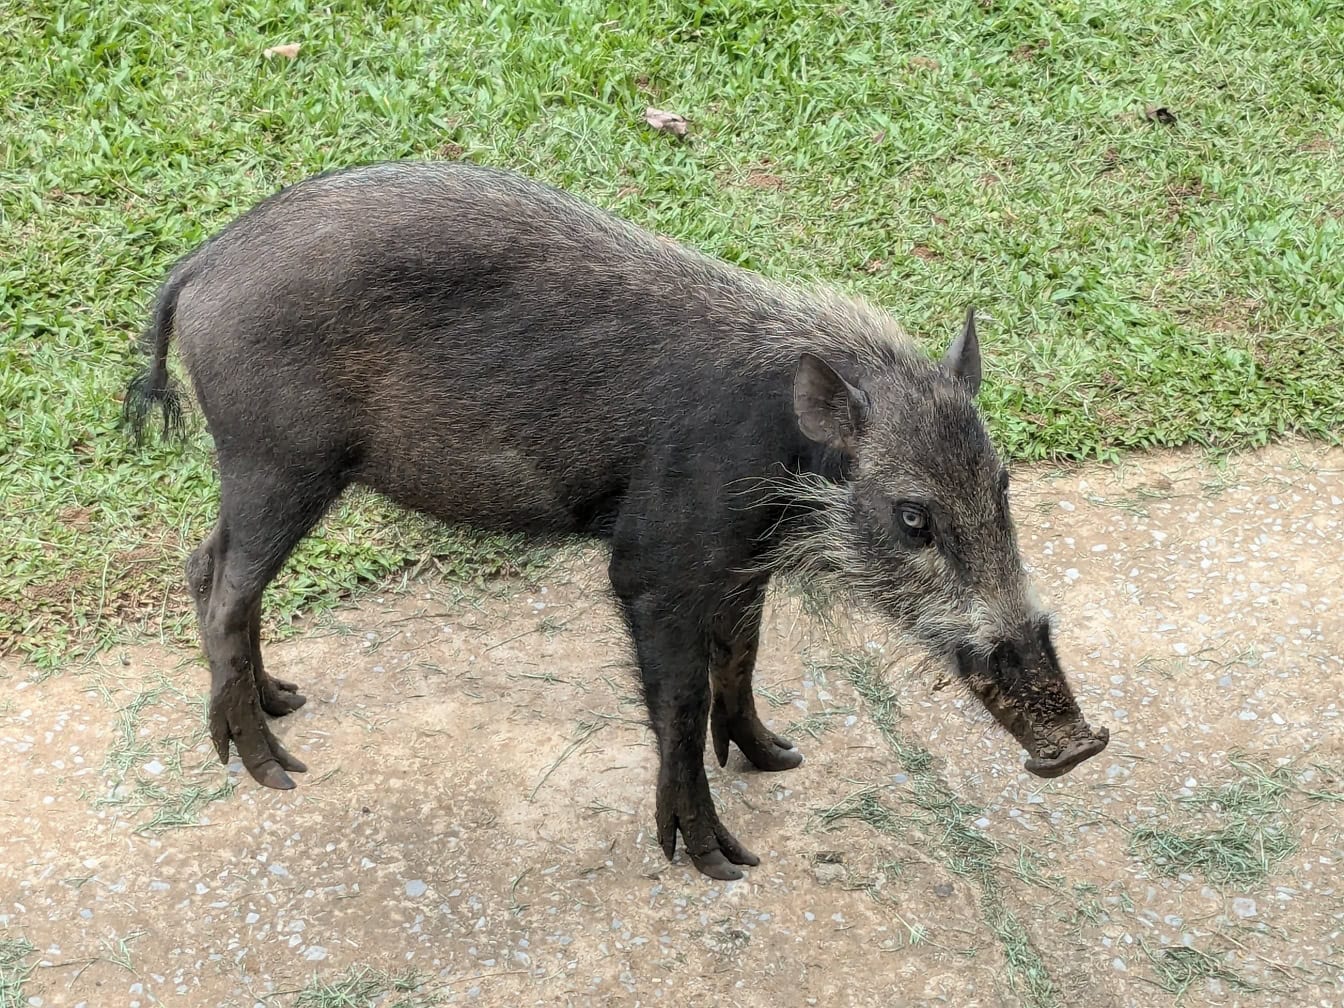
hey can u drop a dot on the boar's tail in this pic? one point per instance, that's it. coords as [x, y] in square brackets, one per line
[153, 387]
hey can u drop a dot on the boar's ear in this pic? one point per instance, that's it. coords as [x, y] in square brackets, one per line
[830, 410]
[962, 360]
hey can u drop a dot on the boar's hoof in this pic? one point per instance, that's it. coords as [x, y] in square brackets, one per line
[763, 748]
[236, 715]
[1070, 756]
[712, 849]
[279, 697]
[770, 753]
[717, 866]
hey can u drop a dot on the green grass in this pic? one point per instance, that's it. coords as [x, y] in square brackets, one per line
[14, 971]
[943, 823]
[1179, 968]
[361, 987]
[1241, 853]
[1148, 283]
[186, 780]
[1243, 829]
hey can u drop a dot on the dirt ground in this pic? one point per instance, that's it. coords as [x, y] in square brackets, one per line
[477, 816]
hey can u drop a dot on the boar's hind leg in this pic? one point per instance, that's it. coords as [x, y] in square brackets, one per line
[277, 696]
[264, 513]
[672, 651]
[735, 634]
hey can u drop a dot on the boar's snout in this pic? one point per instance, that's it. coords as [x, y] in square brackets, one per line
[1072, 754]
[1022, 686]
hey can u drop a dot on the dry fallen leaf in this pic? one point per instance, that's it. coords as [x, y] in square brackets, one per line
[666, 122]
[924, 63]
[758, 179]
[1162, 114]
[78, 518]
[290, 51]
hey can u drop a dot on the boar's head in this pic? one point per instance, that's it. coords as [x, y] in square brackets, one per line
[921, 531]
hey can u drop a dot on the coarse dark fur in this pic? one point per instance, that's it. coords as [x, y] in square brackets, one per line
[491, 351]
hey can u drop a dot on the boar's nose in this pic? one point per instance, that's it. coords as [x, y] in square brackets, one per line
[1070, 756]
[1027, 693]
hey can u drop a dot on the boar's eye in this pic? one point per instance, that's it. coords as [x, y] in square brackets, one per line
[914, 522]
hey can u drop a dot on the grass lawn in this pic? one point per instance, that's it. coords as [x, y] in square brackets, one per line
[1151, 277]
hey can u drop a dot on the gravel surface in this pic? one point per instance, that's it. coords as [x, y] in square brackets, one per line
[480, 796]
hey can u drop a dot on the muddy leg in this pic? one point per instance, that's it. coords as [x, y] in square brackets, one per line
[264, 513]
[277, 696]
[673, 660]
[734, 637]
[201, 574]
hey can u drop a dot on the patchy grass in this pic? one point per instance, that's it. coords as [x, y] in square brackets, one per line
[816, 725]
[163, 780]
[1178, 968]
[14, 970]
[1247, 826]
[1146, 280]
[1256, 817]
[944, 825]
[362, 987]
[1239, 853]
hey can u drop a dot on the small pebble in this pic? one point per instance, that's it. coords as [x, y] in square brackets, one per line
[826, 872]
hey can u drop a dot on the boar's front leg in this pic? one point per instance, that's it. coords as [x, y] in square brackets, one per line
[672, 649]
[735, 636]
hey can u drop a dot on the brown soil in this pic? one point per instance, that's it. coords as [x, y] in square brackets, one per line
[480, 799]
